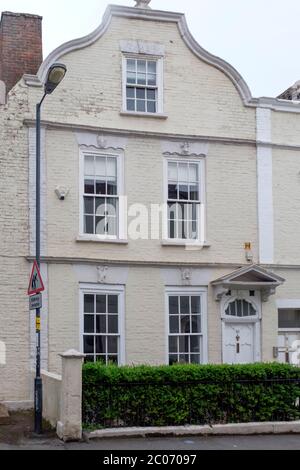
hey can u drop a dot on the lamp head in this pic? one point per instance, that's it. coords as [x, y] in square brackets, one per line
[55, 75]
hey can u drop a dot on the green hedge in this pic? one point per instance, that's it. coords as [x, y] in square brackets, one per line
[171, 395]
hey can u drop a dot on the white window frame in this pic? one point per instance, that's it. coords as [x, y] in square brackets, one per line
[122, 233]
[160, 83]
[201, 238]
[287, 330]
[188, 291]
[97, 289]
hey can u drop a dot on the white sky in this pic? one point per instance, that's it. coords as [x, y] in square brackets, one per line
[260, 38]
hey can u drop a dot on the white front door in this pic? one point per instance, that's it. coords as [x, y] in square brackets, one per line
[238, 343]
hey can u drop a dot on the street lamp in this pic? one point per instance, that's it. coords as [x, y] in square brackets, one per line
[55, 75]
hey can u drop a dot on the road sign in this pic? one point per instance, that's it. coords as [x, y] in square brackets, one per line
[35, 302]
[36, 283]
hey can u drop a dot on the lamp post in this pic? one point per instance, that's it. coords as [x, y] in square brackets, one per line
[55, 75]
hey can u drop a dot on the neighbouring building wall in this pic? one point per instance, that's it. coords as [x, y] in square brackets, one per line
[20, 46]
[14, 269]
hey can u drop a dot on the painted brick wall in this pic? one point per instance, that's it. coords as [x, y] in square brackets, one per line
[198, 98]
[14, 269]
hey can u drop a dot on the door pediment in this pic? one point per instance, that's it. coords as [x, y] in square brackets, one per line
[248, 278]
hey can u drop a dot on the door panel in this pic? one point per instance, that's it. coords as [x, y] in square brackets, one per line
[238, 343]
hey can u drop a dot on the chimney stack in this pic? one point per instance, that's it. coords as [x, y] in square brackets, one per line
[20, 46]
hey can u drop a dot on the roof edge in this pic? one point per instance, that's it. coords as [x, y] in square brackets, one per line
[147, 15]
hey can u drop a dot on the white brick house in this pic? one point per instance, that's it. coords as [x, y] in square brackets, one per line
[145, 118]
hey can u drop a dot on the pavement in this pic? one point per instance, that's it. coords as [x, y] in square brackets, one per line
[278, 442]
[18, 435]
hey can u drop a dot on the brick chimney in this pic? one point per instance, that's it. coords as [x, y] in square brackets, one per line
[20, 46]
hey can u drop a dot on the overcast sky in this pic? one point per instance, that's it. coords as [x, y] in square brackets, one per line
[260, 38]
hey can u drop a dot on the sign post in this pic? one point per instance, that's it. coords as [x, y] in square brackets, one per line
[35, 288]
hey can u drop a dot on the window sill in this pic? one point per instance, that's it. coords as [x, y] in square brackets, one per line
[94, 238]
[185, 243]
[147, 115]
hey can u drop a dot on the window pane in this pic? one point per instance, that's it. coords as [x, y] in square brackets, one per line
[173, 359]
[100, 186]
[89, 166]
[113, 324]
[89, 303]
[141, 106]
[101, 324]
[111, 167]
[89, 186]
[172, 193]
[183, 192]
[172, 211]
[151, 95]
[151, 66]
[173, 305]
[195, 301]
[194, 193]
[196, 324]
[141, 79]
[130, 92]
[131, 77]
[111, 226]
[183, 172]
[89, 224]
[184, 358]
[184, 304]
[89, 324]
[130, 105]
[89, 205]
[173, 344]
[195, 344]
[141, 93]
[112, 304]
[151, 106]
[112, 359]
[239, 307]
[195, 358]
[288, 318]
[100, 207]
[111, 206]
[193, 173]
[185, 324]
[112, 187]
[101, 303]
[172, 171]
[131, 65]
[100, 344]
[101, 166]
[174, 324]
[112, 345]
[172, 229]
[141, 66]
[88, 344]
[183, 344]
[151, 80]
[101, 226]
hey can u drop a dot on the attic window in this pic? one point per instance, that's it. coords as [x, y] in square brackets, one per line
[142, 84]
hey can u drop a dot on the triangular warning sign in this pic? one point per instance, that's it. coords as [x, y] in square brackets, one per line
[36, 283]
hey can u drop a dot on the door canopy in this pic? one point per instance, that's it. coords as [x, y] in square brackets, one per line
[248, 278]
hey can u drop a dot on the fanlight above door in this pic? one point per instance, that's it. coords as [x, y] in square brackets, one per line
[240, 309]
